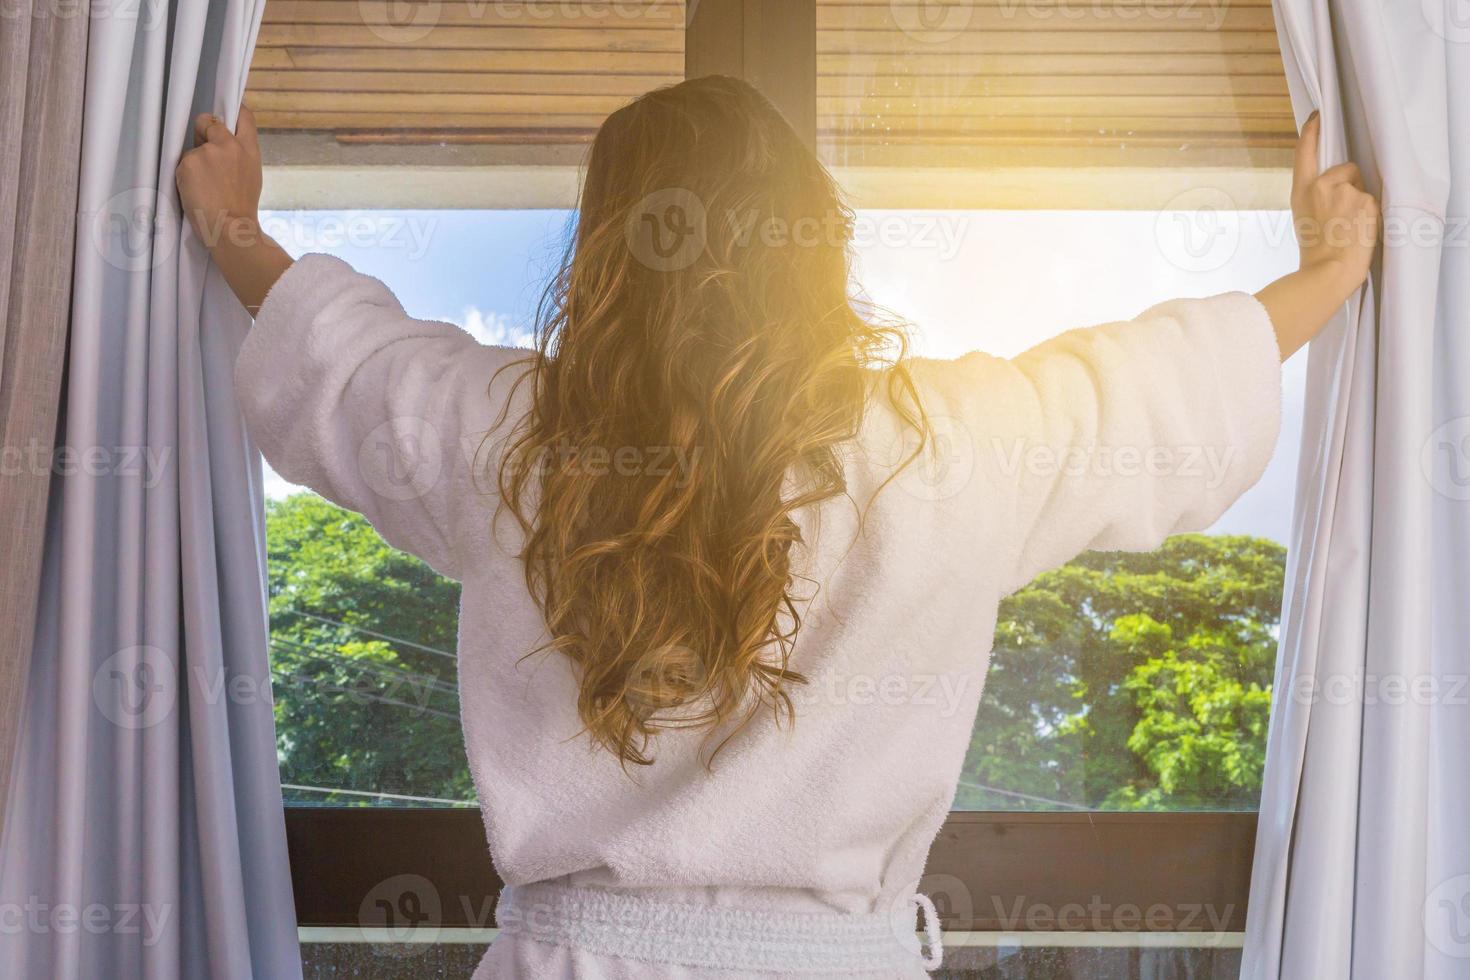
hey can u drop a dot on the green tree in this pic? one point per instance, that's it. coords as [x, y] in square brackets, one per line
[1133, 681]
[362, 641]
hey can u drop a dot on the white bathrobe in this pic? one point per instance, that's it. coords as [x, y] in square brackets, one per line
[1111, 437]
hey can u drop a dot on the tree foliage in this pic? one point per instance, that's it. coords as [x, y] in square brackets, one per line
[362, 644]
[1132, 681]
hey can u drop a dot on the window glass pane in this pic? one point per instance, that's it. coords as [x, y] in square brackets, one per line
[1119, 681]
[362, 635]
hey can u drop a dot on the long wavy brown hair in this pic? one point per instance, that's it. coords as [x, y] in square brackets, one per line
[700, 363]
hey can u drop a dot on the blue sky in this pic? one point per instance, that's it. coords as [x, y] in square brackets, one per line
[998, 281]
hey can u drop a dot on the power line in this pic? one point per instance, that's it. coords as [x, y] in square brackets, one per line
[1023, 796]
[391, 702]
[365, 630]
[325, 653]
[394, 702]
[383, 796]
[388, 674]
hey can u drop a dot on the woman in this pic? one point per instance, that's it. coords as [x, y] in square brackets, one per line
[731, 561]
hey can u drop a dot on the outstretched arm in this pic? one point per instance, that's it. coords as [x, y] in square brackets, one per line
[219, 185]
[1336, 224]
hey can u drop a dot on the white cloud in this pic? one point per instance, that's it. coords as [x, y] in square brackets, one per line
[494, 329]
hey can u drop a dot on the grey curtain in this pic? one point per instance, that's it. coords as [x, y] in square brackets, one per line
[144, 835]
[1362, 862]
[42, 56]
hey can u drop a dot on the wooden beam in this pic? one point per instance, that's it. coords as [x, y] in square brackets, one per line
[769, 43]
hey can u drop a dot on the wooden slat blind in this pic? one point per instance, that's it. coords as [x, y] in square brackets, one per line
[923, 82]
[899, 82]
[473, 69]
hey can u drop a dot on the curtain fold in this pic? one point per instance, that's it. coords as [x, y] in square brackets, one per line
[146, 807]
[42, 57]
[1362, 868]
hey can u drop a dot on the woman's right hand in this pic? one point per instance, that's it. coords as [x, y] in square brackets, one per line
[1335, 218]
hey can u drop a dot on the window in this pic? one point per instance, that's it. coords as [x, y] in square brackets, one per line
[1120, 681]
[362, 635]
[1078, 161]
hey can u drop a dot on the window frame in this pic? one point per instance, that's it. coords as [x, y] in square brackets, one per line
[989, 871]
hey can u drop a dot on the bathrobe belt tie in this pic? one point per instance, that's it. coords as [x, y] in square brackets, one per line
[647, 929]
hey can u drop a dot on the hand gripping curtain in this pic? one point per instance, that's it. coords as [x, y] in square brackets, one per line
[144, 834]
[1362, 866]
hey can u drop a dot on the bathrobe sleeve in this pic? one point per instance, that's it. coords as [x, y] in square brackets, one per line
[378, 412]
[1115, 437]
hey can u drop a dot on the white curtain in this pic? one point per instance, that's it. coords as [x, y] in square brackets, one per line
[1362, 864]
[144, 834]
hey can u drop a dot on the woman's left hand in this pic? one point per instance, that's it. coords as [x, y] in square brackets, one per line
[219, 180]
